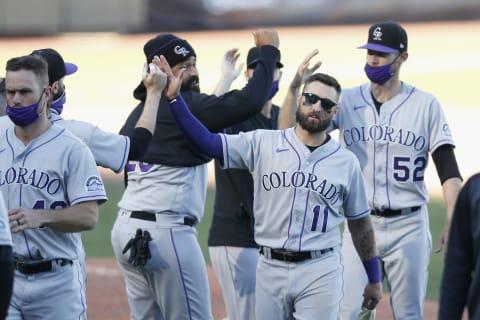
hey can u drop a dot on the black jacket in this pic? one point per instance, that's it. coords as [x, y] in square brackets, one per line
[461, 275]
[169, 147]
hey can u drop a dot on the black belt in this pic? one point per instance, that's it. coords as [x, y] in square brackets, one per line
[387, 213]
[292, 256]
[34, 267]
[144, 215]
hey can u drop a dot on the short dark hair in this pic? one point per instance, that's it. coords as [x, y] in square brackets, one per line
[325, 79]
[31, 63]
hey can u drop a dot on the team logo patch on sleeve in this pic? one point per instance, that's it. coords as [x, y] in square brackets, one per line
[94, 183]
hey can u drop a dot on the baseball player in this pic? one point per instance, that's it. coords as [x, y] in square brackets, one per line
[305, 185]
[391, 127]
[231, 245]
[460, 282]
[6, 261]
[173, 284]
[110, 150]
[52, 189]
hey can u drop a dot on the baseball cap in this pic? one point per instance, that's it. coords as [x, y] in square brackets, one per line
[57, 68]
[388, 37]
[174, 49]
[254, 55]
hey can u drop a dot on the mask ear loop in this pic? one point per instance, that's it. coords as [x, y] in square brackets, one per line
[45, 102]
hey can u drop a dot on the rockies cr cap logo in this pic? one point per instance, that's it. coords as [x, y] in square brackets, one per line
[377, 34]
[181, 50]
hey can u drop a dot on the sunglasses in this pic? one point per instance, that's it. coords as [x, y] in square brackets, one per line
[311, 99]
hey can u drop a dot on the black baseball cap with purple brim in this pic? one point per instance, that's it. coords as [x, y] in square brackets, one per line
[57, 68]
[253, 57]
[388, 37]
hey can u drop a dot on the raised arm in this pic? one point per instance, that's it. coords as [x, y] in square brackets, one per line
[196, 133]
[286, 118]
[155, 81]
[229, 71]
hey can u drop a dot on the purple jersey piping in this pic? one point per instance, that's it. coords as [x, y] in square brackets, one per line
[374, 112]
[308, 196]
[294, 191]
[387, 184]
[181, 275]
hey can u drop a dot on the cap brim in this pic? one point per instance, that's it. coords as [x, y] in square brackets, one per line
[70, 68]
[378, 47]
[253, 63]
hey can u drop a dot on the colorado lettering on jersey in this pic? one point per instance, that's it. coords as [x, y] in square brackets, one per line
[34, 178]
[383, 133]
[297, 179]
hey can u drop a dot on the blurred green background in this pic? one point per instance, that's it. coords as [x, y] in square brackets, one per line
[97, 242]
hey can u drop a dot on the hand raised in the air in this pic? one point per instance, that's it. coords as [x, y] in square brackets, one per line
[229, 70]
[303, 71]
[174, 81]
[154, 79]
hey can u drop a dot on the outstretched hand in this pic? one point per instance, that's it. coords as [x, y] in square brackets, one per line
[154, 79]
[174, 82]
[303, 71]
[228, 68]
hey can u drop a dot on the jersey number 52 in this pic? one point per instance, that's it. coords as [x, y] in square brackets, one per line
[406, 168]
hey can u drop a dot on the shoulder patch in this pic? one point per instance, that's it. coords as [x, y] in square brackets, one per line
[94, 183]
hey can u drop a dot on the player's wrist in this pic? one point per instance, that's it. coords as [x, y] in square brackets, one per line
[175, 99]
[372, 267]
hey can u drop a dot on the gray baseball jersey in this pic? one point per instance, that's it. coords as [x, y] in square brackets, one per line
[177, 189]
[54, 171]
[300, 198]
[110, 150]
[5, 235]
[392, 146]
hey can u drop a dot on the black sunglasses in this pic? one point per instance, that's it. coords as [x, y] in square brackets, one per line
[311, 99]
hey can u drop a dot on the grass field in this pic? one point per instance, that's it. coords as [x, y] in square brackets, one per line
[97, 242]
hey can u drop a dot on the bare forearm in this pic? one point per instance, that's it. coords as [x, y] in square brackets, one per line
[286, 118]
[80, 217]
[223, 85]
[451, 188]
[148, 118]
[363, 237]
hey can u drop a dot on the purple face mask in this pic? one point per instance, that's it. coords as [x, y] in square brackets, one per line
[57, 105]
[379, 75]
[23, 116]
[273, 90]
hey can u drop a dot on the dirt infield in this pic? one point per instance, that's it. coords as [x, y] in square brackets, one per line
[107, 299]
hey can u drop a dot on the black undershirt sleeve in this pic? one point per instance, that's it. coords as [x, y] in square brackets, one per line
[446, 163]
[139, 143]
[6, 278]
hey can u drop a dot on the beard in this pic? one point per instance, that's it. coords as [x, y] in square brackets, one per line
[309, 125]
[191, 84]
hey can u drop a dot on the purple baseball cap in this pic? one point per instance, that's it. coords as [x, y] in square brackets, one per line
[388, 37]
